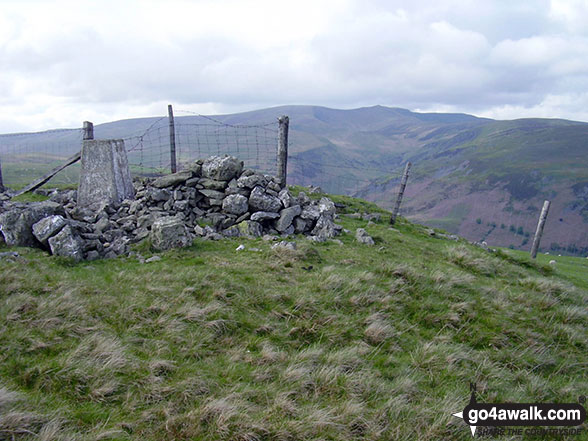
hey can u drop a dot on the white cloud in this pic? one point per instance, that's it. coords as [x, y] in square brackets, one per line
[65, 61]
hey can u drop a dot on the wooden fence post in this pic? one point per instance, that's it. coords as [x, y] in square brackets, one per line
[539, 232]
[284, 123]
[88, 130]
[400, 194]
[1, 183]
[172, 138]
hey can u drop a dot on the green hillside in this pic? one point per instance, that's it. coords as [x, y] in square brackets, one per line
[332, 341]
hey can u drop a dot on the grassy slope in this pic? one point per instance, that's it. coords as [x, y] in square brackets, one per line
[209, 343]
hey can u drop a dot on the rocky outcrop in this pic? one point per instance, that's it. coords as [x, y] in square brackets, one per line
[212, 198]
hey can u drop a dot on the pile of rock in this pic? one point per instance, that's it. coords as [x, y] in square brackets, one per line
[214, 198]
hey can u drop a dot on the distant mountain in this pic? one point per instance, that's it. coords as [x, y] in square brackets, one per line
[481, 178]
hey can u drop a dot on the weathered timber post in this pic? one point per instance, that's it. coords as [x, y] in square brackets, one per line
[88, 130]
[400, 194]
[284, 123]
[1, 183]
[172, 138]
[539, 232]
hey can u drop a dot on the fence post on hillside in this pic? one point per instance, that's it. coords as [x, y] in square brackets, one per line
[172, 138]
[88, 130]
[284, 123]
[1, 183]
[400, 194]
[539, 232]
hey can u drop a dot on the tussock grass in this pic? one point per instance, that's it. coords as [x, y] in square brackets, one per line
[324, 342]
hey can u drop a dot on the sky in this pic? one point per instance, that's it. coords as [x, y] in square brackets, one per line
[63, 62]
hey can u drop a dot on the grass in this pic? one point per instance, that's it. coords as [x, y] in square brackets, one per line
[329, 342]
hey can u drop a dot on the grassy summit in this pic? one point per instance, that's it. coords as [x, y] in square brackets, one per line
[331, 341]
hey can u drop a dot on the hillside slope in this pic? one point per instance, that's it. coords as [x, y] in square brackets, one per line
[477, 177]
[337, 341]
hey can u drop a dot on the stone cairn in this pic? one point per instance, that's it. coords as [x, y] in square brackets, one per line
[212, 198]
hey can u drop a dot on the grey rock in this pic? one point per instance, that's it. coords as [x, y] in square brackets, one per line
[314, 190]
[158, 195]
[153, 259]
[169, 232]
[325, 227]
[192, 182]
[363, 237]
[273, 186]
[243, 217]
[181, 205]
[372, 217]
[287, 215]
[286, 197]
[300, 225]
[135, 207]
[310, 212]
[326, 207]
[16, 225]
[92, 255]
[284, 245]
[231, 232]
[222, 168]
[261, 201]
[212, 184]
[235, 204]
[48, 227]
[303, 199]
[178, 195]
[67, 244]
[264, 215]
[196, 167]
[173, 179]
[250, 228]
[251, 181]
[213, 194]
[288, 231]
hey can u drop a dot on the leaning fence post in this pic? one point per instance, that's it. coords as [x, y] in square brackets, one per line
[539, 232]
[284, 123]
[400, 194]
[88, 130]
[172, 138]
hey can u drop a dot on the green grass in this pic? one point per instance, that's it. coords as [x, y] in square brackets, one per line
[328, 342]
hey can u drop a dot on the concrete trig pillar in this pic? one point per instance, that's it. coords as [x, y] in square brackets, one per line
[104, 175]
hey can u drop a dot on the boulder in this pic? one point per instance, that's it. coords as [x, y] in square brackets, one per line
[250, 228]
[326, 207]
[48, 227]
[235, 204]
[251, 181]
[284, 245]
[173, 179]
[363, 237]
[222, 168]
[17, 225]
[67, 244]
[261, 201]
[213, 194]
[212, 184]
[286, 198]
[264, 215]
[326, 228]
[169, 232]
[287, 215]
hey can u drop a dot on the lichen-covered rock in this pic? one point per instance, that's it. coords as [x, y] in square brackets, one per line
[235, 204]
[169, 232]
[286, 217]
[264, 215]
[17, 225]
[250, 228]
[326, 207]
[67, 244]
[222, 168]
[261, 201]
[252, 181]
[173, 179]
[286, 197]
[48, 227]
[363, 237]
[325, 227]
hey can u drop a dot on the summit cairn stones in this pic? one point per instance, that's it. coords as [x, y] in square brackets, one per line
[105, 175]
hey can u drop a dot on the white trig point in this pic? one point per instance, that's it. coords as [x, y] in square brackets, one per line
[105, 175]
